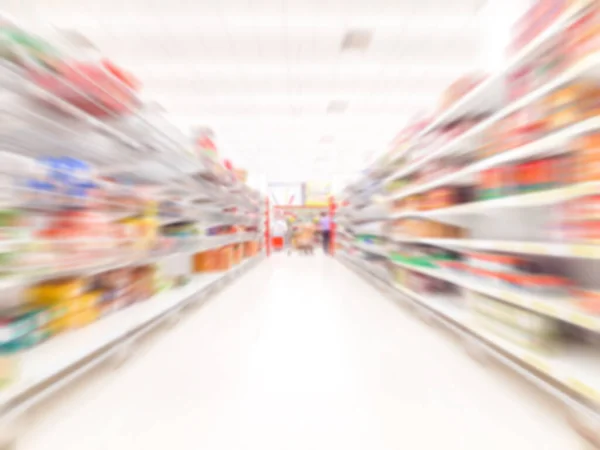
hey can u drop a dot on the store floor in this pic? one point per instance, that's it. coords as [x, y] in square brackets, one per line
[300, 353]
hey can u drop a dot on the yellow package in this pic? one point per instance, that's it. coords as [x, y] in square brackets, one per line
[85, 301]
[82, 318]
[55, 291]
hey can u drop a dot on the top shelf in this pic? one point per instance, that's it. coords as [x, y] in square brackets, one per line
[487, 96]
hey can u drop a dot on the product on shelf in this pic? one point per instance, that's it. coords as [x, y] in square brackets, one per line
[250, 249]
[520, 326]
[530, 176]
[14, 42]
[588, 300]
[539, 17]
[213, 260]
[459, 89]
[586, 158]
[419, 228]
[421, 255]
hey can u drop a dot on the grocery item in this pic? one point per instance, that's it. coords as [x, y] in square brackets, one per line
[238, 254]
[521, 326]
[588, 300]
[459, 88]
[213, 260]
[51, 292]
[250, 249]
[586, 158]
[26, 341]
[538, 284]
[142, 282]
[17, 322]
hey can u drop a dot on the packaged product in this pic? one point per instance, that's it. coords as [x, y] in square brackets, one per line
[573, 103]
[55, 291]
[84, 301]
[586, 158]
[588, 300]
[17, 322]
[250, 249]
[458, 89]
[80, 319]
[26, 341]
[537, 175]
[89, 86]
[143, 285]
[518, 325]
[14, 43]
[213, 260]
[541, 14]
[494, 183]
[238, 252]
[538, 284]
[582, 37]
[586, 231]
[496, 263]
[9, 369]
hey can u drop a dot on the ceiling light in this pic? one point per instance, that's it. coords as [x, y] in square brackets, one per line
[337, 107]
[357, 40]
[326, 140]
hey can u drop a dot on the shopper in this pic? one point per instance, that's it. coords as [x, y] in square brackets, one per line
[325, 227]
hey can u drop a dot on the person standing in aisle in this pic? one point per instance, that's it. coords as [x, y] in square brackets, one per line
[325, 227]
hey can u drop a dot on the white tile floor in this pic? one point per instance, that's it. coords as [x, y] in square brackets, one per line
[302, 354]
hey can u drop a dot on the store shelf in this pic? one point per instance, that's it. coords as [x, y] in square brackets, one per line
[120, 259]
[526, 248]
[562, 308]
[576, 368]
[552, 144]
[473, 98]
[45, 365]
[371, 248]
[362, 266]
[542, 198]
[587, 68]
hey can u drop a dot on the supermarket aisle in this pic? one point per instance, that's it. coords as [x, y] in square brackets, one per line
[302, 354]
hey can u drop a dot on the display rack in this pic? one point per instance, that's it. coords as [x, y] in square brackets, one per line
[447, 222]
[98, 184]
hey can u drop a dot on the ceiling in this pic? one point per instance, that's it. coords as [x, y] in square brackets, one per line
[263, 73]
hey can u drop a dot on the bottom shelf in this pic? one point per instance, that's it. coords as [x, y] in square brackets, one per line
[43, 366]
[572, 375]
[575, 367]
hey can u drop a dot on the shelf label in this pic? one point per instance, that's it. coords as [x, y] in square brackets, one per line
[585, 251]
[583, 389]
[544, 307]
[584, 320]
[512, 297]
[537, 363]
[533, 248]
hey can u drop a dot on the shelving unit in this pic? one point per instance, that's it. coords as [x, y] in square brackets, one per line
[78, 142]
[478, 260]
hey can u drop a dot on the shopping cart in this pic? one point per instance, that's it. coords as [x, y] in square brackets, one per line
[301, 241]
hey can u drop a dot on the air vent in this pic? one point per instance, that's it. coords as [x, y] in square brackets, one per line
[357, 40]
[337, 107]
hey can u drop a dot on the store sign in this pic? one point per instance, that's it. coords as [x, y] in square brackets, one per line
[317, 193]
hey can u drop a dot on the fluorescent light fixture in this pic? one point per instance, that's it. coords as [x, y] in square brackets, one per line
[337, 107]
[357, 40]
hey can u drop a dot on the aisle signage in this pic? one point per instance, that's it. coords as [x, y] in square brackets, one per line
[317, 193]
